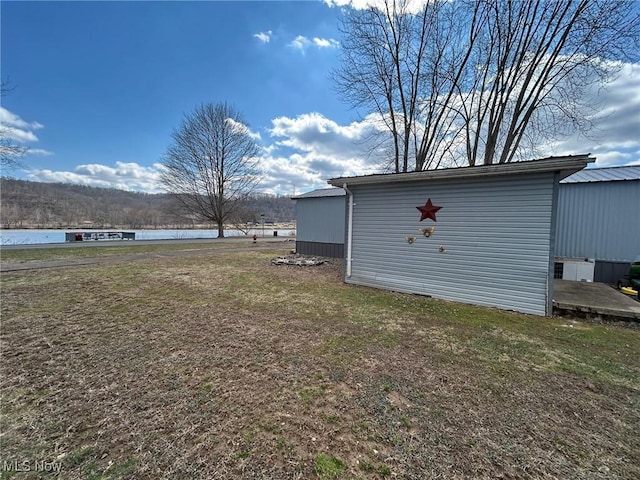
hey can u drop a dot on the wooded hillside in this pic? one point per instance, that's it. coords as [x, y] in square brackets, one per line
[25, 204]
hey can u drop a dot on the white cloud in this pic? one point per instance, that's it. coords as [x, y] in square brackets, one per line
[284, 175]
[412, 6]
[302, 43]
[312, 132]
[38, 151]
[325, 43]
[9, 118]
[615, 137]
[310, 149]
[124, 176]
[19, 134]
[264, 37]
[17, 129]
[242, 128]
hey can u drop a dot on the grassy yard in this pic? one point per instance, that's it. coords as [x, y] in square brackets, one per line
[31, 255]
[222, 365]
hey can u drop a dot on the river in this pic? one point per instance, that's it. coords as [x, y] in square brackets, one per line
[33, 236]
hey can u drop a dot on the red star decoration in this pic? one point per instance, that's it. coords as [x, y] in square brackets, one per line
[428, 211]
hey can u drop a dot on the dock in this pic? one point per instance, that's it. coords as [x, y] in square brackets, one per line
[98, 236]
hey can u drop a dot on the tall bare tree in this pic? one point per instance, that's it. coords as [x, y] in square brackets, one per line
[534, 64]
[481, 81]
[382, 53]
[210, 166]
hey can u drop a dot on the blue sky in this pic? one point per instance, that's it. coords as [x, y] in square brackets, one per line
[99, 86]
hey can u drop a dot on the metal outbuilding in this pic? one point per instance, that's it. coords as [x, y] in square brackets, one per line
[599, 219]
[483, 235]
[320, 227]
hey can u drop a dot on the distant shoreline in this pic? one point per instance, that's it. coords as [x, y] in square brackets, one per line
[267, 226]
[61, 235]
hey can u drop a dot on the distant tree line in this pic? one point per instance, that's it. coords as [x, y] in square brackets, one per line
[26, 204]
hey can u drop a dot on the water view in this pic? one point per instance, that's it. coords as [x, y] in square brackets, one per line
[30, 236]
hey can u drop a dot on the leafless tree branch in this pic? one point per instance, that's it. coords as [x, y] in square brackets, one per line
[482, 81]
[210, 166]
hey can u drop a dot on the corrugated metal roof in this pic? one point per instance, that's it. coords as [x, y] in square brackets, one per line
[608, 174]
[322, 192]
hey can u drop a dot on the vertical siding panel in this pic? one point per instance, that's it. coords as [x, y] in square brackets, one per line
[496, 233]
[599, 220]
[320, 219]
[335, 250]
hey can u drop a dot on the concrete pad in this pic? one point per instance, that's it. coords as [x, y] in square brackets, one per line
[590, 300]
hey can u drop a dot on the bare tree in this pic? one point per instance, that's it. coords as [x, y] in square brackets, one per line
[210, 167]
[481, 81]
[452, 41]
[381, 68]
[243, 218]
[10, 151]
[534, 64]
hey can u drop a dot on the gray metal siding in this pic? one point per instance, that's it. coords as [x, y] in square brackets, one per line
[334, 250]
[552, 241]
[496, 232]
[599, 220]
[610, 272]
[320, 219]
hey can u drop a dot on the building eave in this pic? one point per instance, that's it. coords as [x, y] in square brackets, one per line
[565, 166]
[321, 193]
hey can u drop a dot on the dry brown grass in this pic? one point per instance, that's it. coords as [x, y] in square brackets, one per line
[224, 366]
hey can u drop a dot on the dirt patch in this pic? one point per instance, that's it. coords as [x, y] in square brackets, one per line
[225, 366]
